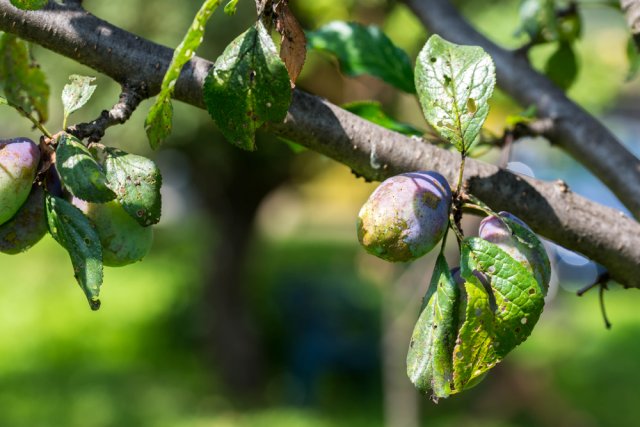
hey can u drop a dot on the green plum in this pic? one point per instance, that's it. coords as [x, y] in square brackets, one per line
[406, 216]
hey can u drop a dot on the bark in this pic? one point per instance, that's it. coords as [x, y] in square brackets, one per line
[553, 210]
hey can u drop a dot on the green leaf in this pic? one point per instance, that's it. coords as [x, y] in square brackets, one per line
[29, 4]
[22, 81]
[496, 322]
[76, 94]
[80, 172]
[562, 66]
[429, 364]
[158, 122]
[364, 50]
[230, 7]
[248, 86]
[3, 101]
[372, 111]
[76, 234]
[136, 181]
[538, 20]
[634, 59]
[454, 86]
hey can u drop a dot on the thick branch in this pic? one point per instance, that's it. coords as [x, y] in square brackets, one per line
[631, 9]
[575, 130]
[551, 209]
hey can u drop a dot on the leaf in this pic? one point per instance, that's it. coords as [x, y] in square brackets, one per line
[80, 172]
[633, 54]
[496, 322]
[372, 111]
[136, 181]
[293, 49]
[364, 50]
[429, 364]
[76, 94]
[29, 4]
[230, 7]
[158, 122]
[76, 234]
[247, 86]
[454, 86]
[3, 101]
[538, 20]
[562, 66]
[23, 82]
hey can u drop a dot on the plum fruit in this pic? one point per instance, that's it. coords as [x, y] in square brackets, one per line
[19, 158]
[524, 246]
[406, 216]
[123, 240]
[27, 226]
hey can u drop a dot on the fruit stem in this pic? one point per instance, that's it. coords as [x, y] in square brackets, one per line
[460, 174]
[454, 227]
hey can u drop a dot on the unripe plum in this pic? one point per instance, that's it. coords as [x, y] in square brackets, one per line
[531, 255]
[123, 240]
[27, 226]
[406, 216]
[19, 159]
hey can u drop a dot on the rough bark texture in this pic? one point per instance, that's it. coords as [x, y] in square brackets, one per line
[601, 233]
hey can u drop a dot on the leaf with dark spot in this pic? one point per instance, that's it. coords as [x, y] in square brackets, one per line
[248, 86]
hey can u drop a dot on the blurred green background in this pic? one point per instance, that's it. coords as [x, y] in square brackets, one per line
[256, 306]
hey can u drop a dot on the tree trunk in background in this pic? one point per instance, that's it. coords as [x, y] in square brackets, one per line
[231, 183]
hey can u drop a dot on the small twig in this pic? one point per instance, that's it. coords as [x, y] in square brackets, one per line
[130, 98]
[507, 145]
[600, 282]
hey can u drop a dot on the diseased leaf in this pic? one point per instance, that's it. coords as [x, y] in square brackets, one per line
[454, 86]
[372, 111]
[22, 81]
[293, 49]
[429, 363]
[247, 86]
[158, 122]
[77, 93]
[76, 234]
[634, 59]
[364, 50]
[136, 181]
[29, 4]
[562, 66]
[499, 314]
[80, 172]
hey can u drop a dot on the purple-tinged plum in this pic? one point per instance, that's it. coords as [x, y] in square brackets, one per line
[123, 240]
[27, 226]
[524, 246]
[406, 216]
[19, 159]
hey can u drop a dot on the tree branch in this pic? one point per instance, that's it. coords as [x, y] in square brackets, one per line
[631, 9]
[129, 100]
[551, 209]
[575, 130]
